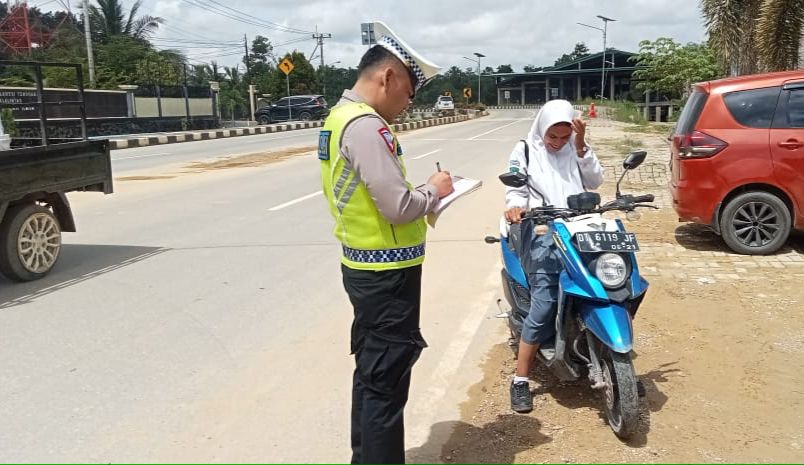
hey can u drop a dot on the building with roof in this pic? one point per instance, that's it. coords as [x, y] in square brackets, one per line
[572, 81]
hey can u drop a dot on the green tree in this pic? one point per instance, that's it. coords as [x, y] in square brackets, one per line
[670, 68]
[334, 81]
[505, 69]
[303, 79]
[260, 61]
[120, 57]
[580, 51]
[750, 36]
[109, 19]
[165, 67]
[232, 95]
[532, 68]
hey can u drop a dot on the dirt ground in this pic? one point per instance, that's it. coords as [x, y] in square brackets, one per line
[719, 348]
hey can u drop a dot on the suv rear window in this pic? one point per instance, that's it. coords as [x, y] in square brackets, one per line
[753, 108]
[691, 112]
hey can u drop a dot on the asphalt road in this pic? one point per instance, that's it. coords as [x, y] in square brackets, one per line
[199, 315]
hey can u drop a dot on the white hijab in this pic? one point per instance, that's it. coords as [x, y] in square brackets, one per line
[555, 175]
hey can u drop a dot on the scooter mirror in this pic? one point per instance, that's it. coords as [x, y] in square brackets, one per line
[514, 179]
[634, 159]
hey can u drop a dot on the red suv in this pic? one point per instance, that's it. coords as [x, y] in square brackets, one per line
[738, 159]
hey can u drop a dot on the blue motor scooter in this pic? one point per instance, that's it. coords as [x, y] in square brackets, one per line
[600, 291]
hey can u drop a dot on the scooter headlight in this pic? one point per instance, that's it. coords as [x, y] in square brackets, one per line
[610, 269]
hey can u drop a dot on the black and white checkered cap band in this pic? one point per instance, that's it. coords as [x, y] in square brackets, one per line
[393, 46]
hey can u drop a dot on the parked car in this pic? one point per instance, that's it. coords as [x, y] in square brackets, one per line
[302, 107]
[445, 104]
[738, 159]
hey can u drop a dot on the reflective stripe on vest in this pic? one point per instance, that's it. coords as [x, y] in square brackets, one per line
[369, 241]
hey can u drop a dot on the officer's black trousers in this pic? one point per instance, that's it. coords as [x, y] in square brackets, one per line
[386, 343]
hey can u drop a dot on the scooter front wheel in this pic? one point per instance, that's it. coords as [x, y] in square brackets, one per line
[620, 396]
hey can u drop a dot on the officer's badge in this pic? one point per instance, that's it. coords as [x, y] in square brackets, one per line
[386, 135]
[323, 144]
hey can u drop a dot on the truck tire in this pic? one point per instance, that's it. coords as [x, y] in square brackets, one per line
[30, 242]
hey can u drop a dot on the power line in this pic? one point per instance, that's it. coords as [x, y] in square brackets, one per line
[243, 19]
[194, 44]
[269, 24]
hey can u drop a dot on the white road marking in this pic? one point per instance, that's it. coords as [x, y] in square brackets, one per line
[495, 129]
[295, 201]
[426, 154]
[426, 408]
[142, 156]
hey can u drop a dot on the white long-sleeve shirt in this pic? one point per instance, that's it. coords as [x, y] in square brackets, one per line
[552, 177]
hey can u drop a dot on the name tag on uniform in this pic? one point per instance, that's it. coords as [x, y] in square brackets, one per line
[323, 144]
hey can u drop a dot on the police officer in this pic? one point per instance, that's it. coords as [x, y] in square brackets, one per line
[379, 221]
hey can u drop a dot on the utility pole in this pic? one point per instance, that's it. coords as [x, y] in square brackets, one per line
[320, 38]
[90, 55]
[603, 74]
[245, 47]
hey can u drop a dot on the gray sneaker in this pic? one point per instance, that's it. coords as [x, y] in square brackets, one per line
[521, 398]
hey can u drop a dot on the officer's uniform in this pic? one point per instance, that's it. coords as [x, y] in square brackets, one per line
[379, 222]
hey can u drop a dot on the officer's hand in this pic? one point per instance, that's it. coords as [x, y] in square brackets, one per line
[443, 182]
[514, 215]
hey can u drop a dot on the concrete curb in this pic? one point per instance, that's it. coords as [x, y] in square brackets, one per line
[117, 144]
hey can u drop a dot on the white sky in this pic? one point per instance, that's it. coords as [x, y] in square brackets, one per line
[518, 32]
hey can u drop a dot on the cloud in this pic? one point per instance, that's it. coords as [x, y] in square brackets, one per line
[517, 33]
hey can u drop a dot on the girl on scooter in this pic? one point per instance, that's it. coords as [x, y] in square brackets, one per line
[558, 163]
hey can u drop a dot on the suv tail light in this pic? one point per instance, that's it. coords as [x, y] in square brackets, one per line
[698, 145]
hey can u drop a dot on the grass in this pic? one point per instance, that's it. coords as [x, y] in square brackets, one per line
[622, 111]
[651, 128]
[624, 145]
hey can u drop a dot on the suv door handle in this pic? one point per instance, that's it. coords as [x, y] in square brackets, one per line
[791, 144]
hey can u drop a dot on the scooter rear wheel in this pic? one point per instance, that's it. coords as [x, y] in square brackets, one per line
[620, 396]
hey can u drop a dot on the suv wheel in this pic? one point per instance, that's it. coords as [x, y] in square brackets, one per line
[305, 116]
[755, 223]
[264, 119]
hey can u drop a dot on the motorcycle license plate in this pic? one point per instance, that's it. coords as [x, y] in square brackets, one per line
[606, 242]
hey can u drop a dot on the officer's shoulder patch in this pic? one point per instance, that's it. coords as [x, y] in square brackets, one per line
[386, 135]
[323, 144]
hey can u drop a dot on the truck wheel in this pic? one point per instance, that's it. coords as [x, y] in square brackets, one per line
[755, 223]
[30, 242]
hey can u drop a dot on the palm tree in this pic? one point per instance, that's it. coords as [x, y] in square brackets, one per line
[109, 19]
[779, 33]
[751, 36]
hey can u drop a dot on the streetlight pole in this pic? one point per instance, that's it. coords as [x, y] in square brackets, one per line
[324, 76]
[604, 29]
[479, 56]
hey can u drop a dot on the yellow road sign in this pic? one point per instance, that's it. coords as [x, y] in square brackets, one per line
[447, 93]
[286, 66]
[467, 92]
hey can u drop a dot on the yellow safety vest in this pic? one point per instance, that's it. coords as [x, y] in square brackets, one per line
[369, 241]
